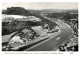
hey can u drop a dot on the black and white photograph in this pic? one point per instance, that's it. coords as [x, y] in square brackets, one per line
[40, 26]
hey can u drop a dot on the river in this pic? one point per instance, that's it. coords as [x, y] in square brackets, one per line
[53, 43]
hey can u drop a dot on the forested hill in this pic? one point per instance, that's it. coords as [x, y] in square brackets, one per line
[22, 11]
[16, 11]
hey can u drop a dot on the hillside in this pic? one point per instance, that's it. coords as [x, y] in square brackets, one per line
[16, 25]
[53, 11]
[16, 11]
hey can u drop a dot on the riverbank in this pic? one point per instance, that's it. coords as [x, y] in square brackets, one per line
[33, 43]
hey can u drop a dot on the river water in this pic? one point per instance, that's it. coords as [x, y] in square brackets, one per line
[53, 43]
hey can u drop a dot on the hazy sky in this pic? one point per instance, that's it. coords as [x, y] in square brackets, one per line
[41, 5]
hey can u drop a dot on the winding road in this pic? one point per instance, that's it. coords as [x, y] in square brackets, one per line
[56, 41]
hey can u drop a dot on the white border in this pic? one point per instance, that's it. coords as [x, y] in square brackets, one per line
[40, 0]
[66, 54]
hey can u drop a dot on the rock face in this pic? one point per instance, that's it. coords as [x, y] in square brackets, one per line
[16, 11]
[15, 39]
[21, 37]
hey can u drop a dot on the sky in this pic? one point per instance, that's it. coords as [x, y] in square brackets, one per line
[41, 5]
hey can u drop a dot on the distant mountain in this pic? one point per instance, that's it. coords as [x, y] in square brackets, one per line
[16, 11]
[53, 11]
[22, 11]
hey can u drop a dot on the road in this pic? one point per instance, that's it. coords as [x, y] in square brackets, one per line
[54, 42]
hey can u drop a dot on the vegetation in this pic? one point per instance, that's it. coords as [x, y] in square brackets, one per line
[16, 11]
[8, 28]
[63, 15]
